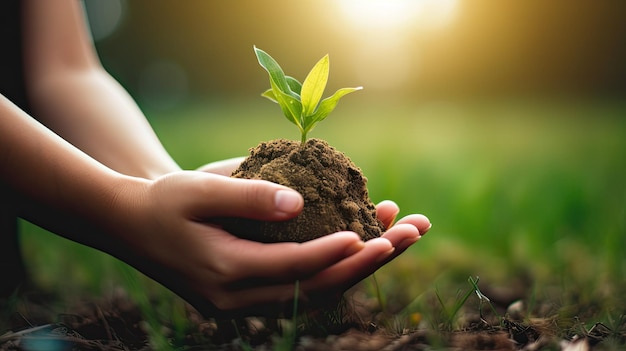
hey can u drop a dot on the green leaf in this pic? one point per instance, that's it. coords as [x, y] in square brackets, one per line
[292, 107]
[294, 84]
[328, 105]
[269, 93]
[300, 102]
[277, 76]
[314, 85]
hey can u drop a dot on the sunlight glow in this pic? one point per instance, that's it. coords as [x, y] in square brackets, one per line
[398, 14]
[386, 35]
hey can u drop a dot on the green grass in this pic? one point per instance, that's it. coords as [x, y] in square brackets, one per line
[530, 183]
[513, 187]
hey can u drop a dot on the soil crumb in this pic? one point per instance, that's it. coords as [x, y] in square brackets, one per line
[334, 190]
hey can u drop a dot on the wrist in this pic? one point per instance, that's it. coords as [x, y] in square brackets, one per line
[126, 199]
[156, 171]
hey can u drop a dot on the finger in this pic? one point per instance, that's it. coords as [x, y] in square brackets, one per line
[401, 236]
[406, 233]
[285, 262]
[209, 195]
[387, 211]
[224, 167]
[377, 253]
[351, 270]
[272, 296]
[421, 222]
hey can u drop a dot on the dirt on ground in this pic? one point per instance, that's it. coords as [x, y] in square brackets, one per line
[334, 190]
[117, 323]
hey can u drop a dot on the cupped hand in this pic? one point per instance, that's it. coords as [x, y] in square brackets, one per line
[394, 241]
[177, 241]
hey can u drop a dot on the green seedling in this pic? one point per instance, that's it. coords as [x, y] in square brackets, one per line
[300, 102]
[450, 312]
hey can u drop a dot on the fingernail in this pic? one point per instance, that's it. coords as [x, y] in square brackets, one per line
[427, 229]
[288, 201]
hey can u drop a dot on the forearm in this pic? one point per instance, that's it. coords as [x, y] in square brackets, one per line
[71, 93]
[53, 183]
[102, 120]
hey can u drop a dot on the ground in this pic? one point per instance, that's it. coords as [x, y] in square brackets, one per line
[473, 321]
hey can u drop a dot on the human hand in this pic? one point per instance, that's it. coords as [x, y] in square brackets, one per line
[177, 242]
[400, 237]
[223, 167]
[386, 210]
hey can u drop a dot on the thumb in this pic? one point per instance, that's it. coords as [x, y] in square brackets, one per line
[211, 195]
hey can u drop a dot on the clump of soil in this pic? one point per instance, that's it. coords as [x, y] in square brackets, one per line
[334, 190]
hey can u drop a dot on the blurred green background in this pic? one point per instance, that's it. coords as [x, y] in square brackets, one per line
[504, 122]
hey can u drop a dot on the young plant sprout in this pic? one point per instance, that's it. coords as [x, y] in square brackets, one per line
[311, 167]
[300, 102]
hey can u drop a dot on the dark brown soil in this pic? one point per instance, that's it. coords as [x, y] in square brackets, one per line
[117, 323]
[334, 190]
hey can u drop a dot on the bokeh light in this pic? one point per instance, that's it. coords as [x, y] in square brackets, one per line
[107, 16]
[162, 85]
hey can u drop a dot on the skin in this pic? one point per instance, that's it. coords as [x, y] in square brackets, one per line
[94, 172]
